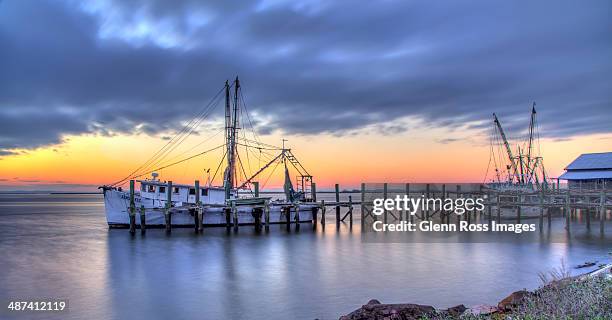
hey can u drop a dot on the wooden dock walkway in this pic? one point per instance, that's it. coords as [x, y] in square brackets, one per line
[593, 204]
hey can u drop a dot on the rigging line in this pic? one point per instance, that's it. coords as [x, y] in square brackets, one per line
[248, 116]
[165, 146]
[180, 161]
[250, 146]
[263, 144]
[274, 169]
[248, 159]
[197, 145]
[490, 154]
[262, 156]
[219, 166]
[173, 140]
[191, 125]
[184, 137]
[494, 159]
[245, 148]
[242, 167]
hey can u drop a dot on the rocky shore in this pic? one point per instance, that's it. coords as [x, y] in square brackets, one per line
[587, 296]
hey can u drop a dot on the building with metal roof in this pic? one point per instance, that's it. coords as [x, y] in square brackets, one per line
[589, 171]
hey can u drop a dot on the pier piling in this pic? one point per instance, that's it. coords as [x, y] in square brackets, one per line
[132, 209]
[567, 211]
[267, 214]
[196, 215]
[362, 206]
[143, 220]
[602, 211]
[337, 206]
[314, 212]
[235, 215]
[350, 211]
[200, 213]
[228, 218]
[167, 213]
[385, 190]
[541, 209]
[287, 211]
[323, 209]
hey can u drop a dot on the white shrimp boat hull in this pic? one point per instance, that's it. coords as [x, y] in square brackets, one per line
[116, 204]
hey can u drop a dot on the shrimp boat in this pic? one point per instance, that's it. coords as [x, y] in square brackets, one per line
[163, 203]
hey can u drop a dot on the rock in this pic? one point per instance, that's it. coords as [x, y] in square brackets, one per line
[481, 309]
[455, 311]
[513, 300]
[586, 265]
[404, 311]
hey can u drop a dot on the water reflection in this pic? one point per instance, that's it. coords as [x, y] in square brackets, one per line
[66, 250]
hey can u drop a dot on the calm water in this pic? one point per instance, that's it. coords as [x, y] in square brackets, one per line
[59, 246]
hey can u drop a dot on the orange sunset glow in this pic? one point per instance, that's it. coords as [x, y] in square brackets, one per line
[417, 155]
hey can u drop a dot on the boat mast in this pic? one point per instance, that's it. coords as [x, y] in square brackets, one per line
[530, 145]
[231, 125]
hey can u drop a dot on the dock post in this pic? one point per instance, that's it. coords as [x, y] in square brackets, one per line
[337, 206]
[426, 213]
[362, 206]
[602, 211]
[541, 209]
[256, 188]
[200, 213]
[132, 209]
[385, 190]
[350, 212]
[567, 211]
[443, 214]
[588, 217]
[256, 212]
[457, 195]
[267, 214]
[287, 211]
[314, 212]
[228, 217]
[489, 210]
[235, 215]
[323, 213]
[313, 191]
[409, 216]
[143, 220]
[167, 213]
[518, 212]
[498, 202]
[297, 216]
[196, 215]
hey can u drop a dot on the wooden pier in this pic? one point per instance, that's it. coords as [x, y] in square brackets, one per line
[593, 205]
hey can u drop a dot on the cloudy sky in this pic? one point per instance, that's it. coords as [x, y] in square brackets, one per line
[333, 72]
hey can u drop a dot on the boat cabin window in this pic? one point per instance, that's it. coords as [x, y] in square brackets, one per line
[162, 189]
[151, 188]
[176, 190]
[205, 192]
[191, 191]
[143, 187]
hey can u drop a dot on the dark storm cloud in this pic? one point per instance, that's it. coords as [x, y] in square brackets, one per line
[307, 67]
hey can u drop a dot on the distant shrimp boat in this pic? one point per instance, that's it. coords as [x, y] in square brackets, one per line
[163, 203]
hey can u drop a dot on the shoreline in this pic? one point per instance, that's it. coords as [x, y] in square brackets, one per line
[514, 305]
